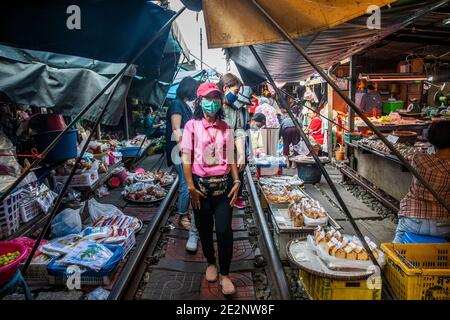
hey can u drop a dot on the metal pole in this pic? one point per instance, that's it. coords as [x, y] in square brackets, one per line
[352, 93]
[315, 156]
[62, 193]
[272, 253]
[90, 104]
[201, 49]
[137, 255]
[318, 113]
[353, 105]
[351, 114]
[125, 111]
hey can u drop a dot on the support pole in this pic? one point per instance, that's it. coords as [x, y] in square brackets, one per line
[351, 114]
[90, 104]
[127, 127]
[352, 105]
[62, 193]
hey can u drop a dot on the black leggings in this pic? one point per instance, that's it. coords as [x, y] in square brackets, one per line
[216, 209]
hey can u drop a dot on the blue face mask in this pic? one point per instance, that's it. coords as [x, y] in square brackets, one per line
[211, 107]
[231, 97]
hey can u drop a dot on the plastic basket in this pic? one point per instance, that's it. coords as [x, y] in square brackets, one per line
[323, 288]
[58, 276]
[418, 271]
[36, 273]
[79, 180]
[130, 151]
[29, 208]
[350, 137]
[7, 271]
[10, 215]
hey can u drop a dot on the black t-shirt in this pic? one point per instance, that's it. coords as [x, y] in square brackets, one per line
[177, 107]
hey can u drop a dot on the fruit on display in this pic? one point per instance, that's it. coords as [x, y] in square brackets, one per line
[7, 258]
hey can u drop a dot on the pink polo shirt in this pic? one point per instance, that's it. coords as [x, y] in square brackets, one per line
[200, 136]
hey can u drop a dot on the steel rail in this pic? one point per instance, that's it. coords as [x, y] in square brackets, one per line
[272, 255]
[138, 255]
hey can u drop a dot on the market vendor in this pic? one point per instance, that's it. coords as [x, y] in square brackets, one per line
[315, 126]
[257, 122]
[371, 102]
[152, 124]
[420, 213]
[289, 133]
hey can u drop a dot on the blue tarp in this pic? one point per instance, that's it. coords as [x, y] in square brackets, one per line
[171, 95]
[111, 31]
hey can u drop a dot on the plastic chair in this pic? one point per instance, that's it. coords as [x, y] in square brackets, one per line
[410, 237]
[11, 286]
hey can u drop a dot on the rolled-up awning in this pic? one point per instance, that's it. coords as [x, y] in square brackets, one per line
[111, 31]
[233, 23]
[65, 84]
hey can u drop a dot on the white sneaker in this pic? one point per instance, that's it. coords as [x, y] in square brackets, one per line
[192, 242]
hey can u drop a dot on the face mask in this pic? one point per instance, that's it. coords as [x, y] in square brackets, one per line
[211, 107]
[231, 97]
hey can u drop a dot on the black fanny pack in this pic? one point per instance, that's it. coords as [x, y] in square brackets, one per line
[213, 186]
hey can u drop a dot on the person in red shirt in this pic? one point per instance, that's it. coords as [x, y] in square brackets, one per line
[315, 127]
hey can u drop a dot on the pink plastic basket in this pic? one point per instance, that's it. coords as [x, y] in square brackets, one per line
[6, 272]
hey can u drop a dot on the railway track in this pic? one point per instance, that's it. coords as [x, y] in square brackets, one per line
[160, 268]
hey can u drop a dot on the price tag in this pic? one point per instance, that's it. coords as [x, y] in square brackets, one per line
[392, 139]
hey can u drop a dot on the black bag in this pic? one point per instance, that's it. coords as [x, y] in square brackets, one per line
[213, 186]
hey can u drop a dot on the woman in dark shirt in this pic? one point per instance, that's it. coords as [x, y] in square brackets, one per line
[178, 114]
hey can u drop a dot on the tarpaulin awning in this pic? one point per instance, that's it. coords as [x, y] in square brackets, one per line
[326, 48]
[66, 90]
[196, 74]
[110, 31]
[153, 90]
[232, 23]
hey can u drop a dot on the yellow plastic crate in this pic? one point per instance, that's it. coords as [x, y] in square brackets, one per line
[425, 275]
[322, 288]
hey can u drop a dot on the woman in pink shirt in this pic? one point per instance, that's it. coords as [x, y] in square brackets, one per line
[212, 177]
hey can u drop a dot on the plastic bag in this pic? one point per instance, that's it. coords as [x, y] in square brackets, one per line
[97, 209]
[67, 222]
[45, 198]
[61, 245]
[88, 254]
[8, 165]
[301, 148]
[98, 294]
[323, 221]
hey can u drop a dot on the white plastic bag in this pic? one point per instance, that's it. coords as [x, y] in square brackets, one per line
[97, 209]
[323, 221]
[66, 222]
[301, 148]
[45, 198]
